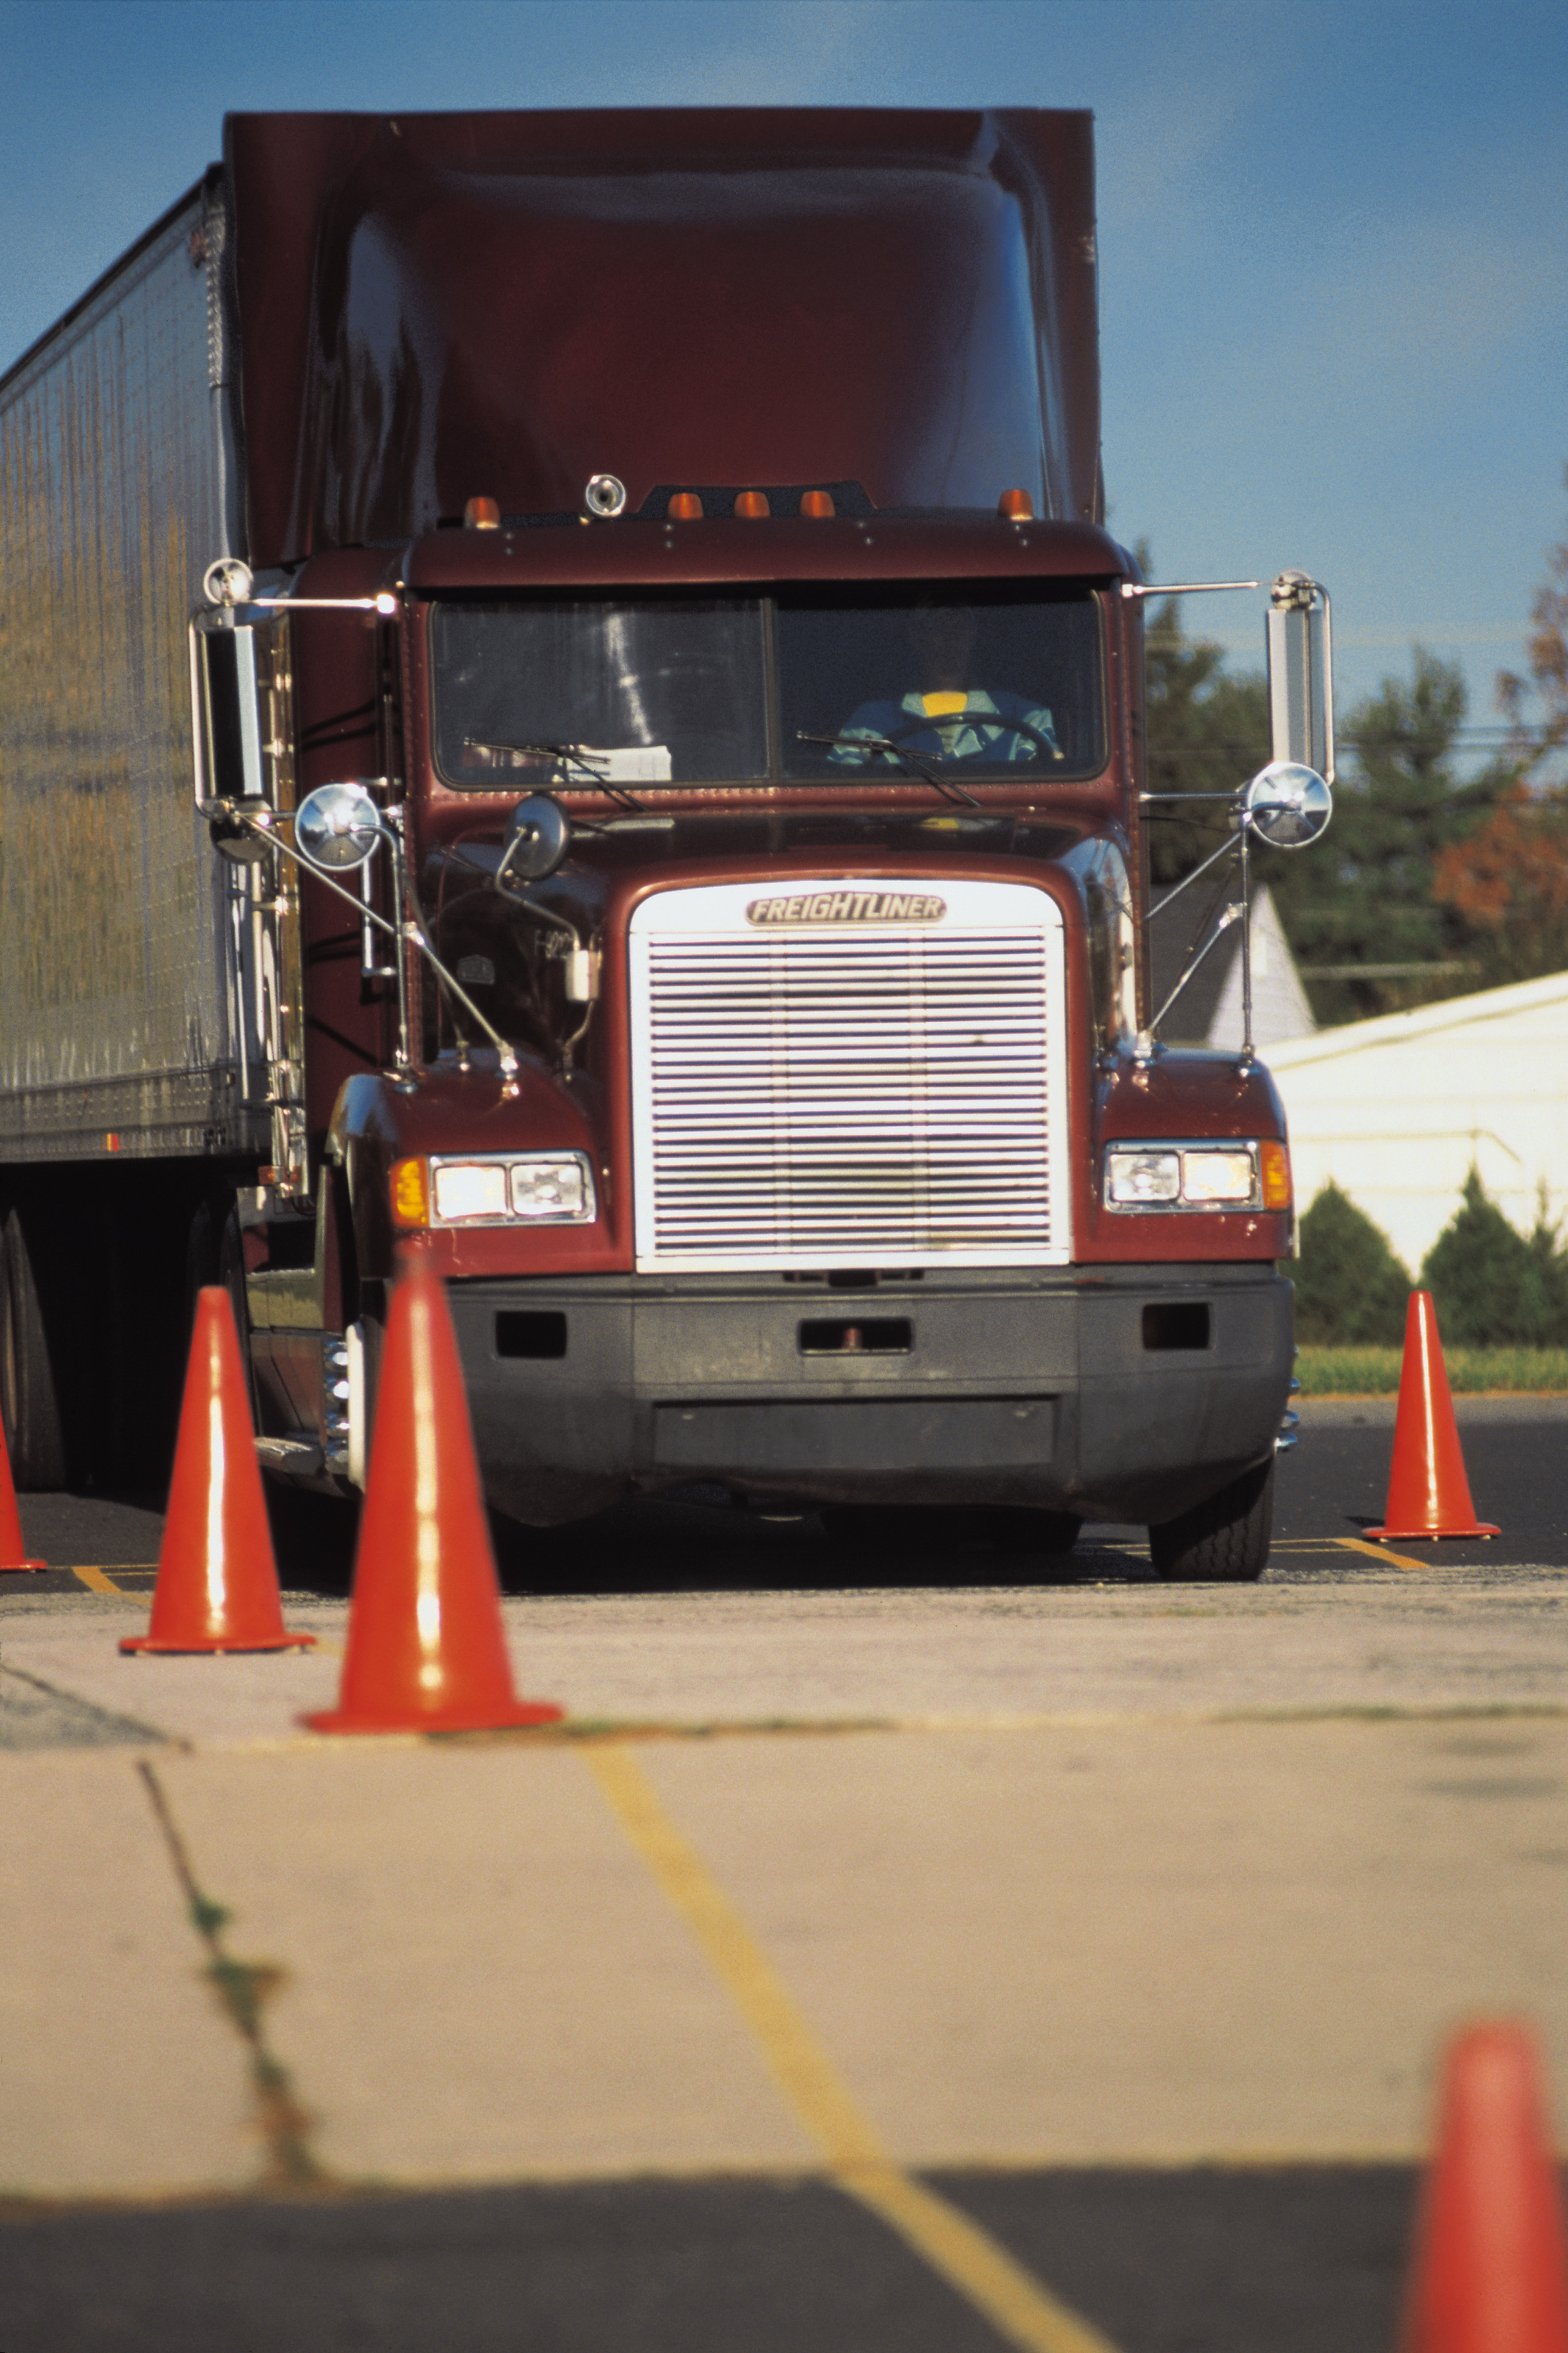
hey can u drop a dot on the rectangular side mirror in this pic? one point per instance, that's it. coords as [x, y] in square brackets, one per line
[1301, 674]
[227, 714]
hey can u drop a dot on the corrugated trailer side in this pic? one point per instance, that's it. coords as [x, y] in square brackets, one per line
[116, 1031]
[122, 1093]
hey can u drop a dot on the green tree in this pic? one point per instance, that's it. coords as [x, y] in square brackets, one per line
[1491, 1288]
[1350, 1289]
[1366, 897]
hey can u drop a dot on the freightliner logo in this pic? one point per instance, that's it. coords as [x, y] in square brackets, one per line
[848, 907]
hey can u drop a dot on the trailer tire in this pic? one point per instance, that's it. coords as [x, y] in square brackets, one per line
[1224, 1540]
[35, 1428]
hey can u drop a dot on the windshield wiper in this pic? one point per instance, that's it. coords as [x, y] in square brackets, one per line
[901, 752]
[566, 752]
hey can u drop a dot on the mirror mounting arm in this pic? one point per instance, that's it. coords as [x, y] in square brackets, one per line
[263, 823]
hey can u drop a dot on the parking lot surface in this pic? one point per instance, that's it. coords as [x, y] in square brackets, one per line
[891, 1950]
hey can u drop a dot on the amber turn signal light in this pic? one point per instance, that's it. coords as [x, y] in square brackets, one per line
[685, 506]
[1016, 506]
[481, 514]
[1275, 1161]
[751, 505]
[817, 505]
[410, 1189]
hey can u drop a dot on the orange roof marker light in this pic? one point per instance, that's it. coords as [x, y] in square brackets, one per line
[685, 507]
[1016, 506]
[816, 506]
[481, 514]
[751, 505]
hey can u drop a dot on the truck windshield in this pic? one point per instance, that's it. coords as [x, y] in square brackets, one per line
[982, 679]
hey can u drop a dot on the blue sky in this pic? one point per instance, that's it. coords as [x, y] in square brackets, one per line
[1333, 236]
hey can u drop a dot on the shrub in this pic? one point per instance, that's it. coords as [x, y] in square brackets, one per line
[1493, 1289]
[1350, 1289]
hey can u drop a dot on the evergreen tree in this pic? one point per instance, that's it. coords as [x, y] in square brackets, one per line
[1488, 1283]
[1350, 1289]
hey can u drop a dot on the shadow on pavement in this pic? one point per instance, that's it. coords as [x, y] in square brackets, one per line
[1200, 2260]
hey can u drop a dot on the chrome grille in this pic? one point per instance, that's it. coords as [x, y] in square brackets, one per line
[850, 1096]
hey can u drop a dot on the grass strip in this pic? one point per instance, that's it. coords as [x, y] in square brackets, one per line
[1472, 1372]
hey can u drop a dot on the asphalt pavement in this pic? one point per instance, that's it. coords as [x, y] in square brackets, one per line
[899, 1950]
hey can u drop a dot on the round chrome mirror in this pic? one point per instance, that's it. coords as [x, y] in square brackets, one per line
[337, 825]
[538, 836]
[228, 582]
[1286, 804]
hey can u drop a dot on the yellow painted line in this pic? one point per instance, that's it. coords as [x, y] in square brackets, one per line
[96, 1581]
[1017, 2306]
[1380, 1552]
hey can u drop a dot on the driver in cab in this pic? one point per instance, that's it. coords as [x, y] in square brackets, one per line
[946, 718]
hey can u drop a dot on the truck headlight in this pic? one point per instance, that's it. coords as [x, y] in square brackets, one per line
[558, 1190]
[1253, 1174]
[494, 1188]
[1226, 1179]
[1133, 1178]
[464, 1190]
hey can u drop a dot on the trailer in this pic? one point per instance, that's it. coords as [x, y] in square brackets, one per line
[565, 700]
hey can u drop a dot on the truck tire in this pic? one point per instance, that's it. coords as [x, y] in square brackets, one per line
[34, 1428]
[1223, 1541]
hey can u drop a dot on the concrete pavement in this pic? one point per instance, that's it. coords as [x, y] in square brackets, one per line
[1126, 1918]
[1114, 1876]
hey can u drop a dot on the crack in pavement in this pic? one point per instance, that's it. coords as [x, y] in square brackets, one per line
[243, 1989]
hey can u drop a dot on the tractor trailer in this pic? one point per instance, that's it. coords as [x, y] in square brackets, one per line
[564, 692]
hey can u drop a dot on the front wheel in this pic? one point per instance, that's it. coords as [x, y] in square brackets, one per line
[1224, 1539]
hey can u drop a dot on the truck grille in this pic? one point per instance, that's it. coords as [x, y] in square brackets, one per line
[849, 1096]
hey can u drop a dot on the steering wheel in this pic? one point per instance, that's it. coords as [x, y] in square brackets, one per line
[996, 719]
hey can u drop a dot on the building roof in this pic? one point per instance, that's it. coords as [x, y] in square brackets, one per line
[1208, 1011]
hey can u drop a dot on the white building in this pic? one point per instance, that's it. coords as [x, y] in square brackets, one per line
[1397, 1110]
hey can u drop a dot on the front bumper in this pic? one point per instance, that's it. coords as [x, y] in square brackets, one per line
[1128, 1393]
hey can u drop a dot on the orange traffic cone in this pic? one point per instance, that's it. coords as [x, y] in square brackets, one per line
[1489, 2273]
[217, 1581]
[12, 1547]
[426, 1649]
[1428, 1493]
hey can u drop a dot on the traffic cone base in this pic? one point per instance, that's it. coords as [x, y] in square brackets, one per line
[456, 1719]
[426, 1649]
[215, 1643]
[1433, 1535]
[1428, 1493]
[217, 1581]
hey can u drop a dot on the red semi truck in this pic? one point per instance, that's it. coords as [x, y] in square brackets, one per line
[563, 689]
